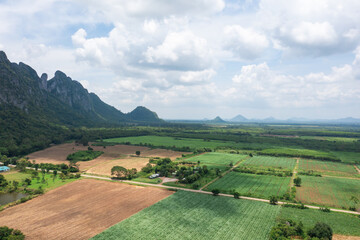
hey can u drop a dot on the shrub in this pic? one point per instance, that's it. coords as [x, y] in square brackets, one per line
[236, 195]
[325, 209]
[10, 233]
[215, 192]
[297, 181]
[273, 200]
[321, 231]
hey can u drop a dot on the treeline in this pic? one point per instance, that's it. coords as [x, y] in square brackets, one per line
[301, 153]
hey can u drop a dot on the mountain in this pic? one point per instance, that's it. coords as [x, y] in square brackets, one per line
[35, 111]
[143, 114]
[238, 118]
[217, 120]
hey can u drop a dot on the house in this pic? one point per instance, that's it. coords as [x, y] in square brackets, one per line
[4, 169]
[154, 176]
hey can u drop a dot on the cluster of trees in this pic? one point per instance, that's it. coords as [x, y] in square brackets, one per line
[7, 233]
[88, 155]
[123, 173]
[269, 171]
[287, 229]
[189, 175]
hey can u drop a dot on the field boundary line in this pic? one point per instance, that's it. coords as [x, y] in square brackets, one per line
[233, 167]
[294, 173]
[329, 176]
[210, 193]
[357, 169]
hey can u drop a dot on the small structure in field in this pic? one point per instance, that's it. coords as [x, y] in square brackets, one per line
[154, 176]
[4, 169]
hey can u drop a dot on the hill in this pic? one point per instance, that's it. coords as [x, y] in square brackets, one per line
[34, 111]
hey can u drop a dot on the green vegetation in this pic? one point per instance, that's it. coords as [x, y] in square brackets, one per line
[328, 191]
[262, 186]
[341, 223]
[7, 233]
[123, 173]
[328, 168]
[303, 153]
[185, 215]
[216, 160]
[84, 155]
[285, 163]
[348, 157]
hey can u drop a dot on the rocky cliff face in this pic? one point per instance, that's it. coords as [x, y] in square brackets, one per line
[60, 99]
[70, 92]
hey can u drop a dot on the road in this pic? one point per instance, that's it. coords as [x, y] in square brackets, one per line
[205, 192]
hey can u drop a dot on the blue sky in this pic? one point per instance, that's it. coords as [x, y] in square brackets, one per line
[197, 59]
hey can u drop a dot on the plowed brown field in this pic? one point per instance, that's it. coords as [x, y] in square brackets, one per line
[104, 168]
[79, 210]
[57, 154]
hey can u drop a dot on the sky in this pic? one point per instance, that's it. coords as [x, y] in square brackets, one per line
[195, 59]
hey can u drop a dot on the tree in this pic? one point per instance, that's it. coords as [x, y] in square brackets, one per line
[22, 164]
[355, 201]
[321, 231]
[236, 195]
[119, 171]
[9, 233]
[62, 176]
[297, 181]
[137, 153]
[273, 200]
[215, 192]
[3, 182]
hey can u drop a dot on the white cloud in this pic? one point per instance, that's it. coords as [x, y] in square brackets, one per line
[181, 50]
[150, 26]
[245, 42]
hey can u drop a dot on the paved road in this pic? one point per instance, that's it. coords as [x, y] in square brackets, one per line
[205, 192]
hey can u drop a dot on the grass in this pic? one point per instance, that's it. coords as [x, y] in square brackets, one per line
[216, 160]
[35, 184]
[303, 153]
[348, 157]
[186, 215]
[262, 186]
[341, 223]
[147, 180]
[328, 191]
[84, 155]
[265, 161]
[171, 141]
[328, 168]
[337, 139]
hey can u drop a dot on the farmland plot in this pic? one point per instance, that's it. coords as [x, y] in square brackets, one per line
[252, 185]
[328, 191]
[264, 161]
[79, 210]
[186, 215]
[216, 160]
[341, 223]
[329, 168]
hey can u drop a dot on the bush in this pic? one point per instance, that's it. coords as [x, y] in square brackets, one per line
[325, 209]
[236, 195]
[321, 231]
[297, 181]
[273, 200]
[215, 192]
[10, 233]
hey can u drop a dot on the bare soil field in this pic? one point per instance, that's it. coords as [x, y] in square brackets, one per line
[79, 210]
[104, 168]
[57, 154]
[343, 237]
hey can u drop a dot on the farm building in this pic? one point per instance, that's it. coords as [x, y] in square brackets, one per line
[4, 169]
[154, 176]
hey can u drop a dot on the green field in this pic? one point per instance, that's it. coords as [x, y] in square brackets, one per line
[303, 153]
[265, 161]
[171, 141]
[328, 191]
[348, 157]
[262, 186]
[341, 223]
[84, 155]
[338, 139]
[186, 215]
[49, 183]
[328, 168]
[216, 160]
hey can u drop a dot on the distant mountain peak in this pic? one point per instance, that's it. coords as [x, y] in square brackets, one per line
[239, 118]
[217, 120]
[141, 113]
[3, 57]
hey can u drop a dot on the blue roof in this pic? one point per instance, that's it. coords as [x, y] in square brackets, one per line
[4, 168]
